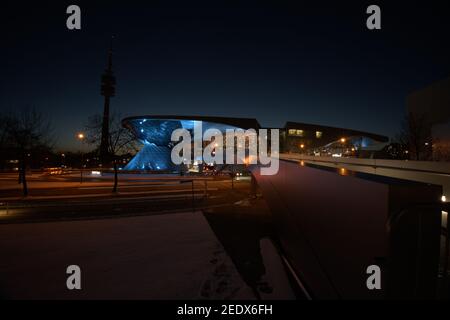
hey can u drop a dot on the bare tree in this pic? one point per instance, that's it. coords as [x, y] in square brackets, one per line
[416, 136]
[27, 132]
[4, 140]
[121, 140]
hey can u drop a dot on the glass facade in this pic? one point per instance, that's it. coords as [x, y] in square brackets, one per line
[156, 134]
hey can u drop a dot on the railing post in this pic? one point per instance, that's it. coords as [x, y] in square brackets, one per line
[446, 250]
[253, 187]
[193, 197]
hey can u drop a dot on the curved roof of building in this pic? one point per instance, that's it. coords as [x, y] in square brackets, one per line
[250, 123]
[244, 123]
[341, 131]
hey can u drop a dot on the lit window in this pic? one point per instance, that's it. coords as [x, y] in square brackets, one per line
[296, 132]
[319, 134]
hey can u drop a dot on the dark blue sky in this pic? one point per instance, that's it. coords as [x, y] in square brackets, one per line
[275, 61]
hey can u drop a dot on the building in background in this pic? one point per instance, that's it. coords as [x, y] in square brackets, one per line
[154, 132]
[312, 139]
[433, 103]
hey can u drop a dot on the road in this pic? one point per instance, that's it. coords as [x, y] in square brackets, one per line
[63, 197]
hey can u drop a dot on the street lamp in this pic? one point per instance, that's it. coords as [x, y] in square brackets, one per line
[81, 137]
[302, 148]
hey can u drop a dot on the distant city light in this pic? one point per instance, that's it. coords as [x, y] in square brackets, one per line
[80, 136]
[343, 140]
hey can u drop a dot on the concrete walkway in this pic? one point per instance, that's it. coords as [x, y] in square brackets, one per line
[174, 256]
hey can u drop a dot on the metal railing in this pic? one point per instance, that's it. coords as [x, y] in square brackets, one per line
[420, 251]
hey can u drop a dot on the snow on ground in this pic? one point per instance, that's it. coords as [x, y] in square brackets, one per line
[172, 256]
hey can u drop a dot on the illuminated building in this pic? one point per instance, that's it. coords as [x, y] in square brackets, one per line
[154, 132]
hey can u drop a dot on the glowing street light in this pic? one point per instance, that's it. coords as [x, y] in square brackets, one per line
[81, 137]
[343, 140]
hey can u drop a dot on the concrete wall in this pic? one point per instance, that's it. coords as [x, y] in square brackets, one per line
[332, 226]
[422, 171]
[434, 100]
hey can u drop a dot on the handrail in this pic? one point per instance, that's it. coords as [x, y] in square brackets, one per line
[410, 165]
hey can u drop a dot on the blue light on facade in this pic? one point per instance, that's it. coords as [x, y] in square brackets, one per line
[155, 135]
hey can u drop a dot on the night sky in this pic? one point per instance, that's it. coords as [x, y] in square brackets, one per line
[274, 61]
